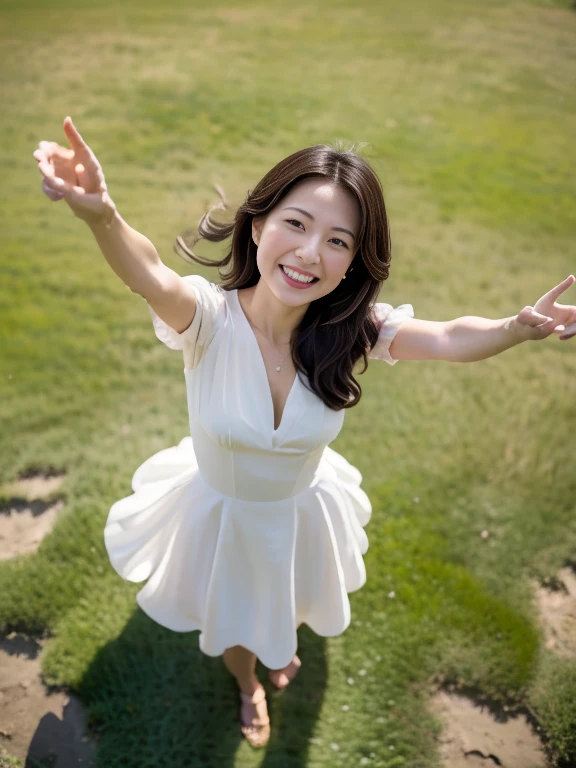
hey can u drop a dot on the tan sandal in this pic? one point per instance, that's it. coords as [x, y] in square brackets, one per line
[258, 732]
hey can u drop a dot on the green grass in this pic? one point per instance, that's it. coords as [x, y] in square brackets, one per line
[469, 114]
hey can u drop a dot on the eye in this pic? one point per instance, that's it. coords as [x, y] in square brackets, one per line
[295, 221]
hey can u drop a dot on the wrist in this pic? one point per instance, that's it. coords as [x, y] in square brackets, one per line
[105, 222]
[516, 329]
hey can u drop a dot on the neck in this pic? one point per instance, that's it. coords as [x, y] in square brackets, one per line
[275, 320]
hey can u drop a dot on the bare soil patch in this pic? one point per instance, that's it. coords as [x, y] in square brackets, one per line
[27, 516]
[557, 610]
[473, 737]
[35, 720]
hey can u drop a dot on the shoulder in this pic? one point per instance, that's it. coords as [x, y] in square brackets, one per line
[389, 320]
[204, 287]
[210, 296]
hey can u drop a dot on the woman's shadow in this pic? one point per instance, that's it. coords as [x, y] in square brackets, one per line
[154, 699]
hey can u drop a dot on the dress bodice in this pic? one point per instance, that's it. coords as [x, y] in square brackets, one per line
[231, 412]
[231, 419]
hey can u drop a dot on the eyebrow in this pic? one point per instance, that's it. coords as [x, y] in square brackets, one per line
[309, 215]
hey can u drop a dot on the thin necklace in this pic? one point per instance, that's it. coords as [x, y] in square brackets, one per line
[285, 356]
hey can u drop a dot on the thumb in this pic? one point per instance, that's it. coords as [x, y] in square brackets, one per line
[529, 316]
[539, 320]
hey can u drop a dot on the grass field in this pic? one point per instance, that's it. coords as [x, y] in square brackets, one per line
[469, 112]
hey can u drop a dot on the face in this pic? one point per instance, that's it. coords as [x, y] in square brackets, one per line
[319, 239]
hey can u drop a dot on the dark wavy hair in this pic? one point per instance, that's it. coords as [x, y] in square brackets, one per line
[338, 329]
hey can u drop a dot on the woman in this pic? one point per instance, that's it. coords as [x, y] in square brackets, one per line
[252, 525]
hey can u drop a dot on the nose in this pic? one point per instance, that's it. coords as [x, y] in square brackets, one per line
[308, 252]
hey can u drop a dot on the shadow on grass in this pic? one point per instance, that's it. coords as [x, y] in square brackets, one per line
[154, 699]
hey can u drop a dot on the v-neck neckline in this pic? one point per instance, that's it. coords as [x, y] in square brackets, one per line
[266, 380]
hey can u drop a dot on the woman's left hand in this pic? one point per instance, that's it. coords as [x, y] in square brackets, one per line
[547, 317]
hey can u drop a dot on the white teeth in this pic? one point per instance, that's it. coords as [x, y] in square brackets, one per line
[296, 276]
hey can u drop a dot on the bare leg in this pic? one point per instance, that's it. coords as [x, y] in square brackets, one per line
[241, 663]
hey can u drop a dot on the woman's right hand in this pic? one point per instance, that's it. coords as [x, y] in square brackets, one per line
[75, 175]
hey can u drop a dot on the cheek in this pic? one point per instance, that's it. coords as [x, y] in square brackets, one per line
[275, 244]
[337, 265]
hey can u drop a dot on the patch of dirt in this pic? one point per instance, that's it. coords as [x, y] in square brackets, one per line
[472, 737]
[557, 610]
[36, 721]
[26, 518]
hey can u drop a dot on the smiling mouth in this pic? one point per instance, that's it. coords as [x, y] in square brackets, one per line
[300, 282]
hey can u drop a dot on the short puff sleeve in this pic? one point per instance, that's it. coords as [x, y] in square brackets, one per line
[390, 319]
[195, 339]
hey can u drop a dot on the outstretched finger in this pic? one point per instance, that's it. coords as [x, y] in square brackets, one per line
[559, 289]
[73, 135]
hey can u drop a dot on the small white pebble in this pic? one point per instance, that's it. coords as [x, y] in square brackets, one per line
[345, 707]
[415, 499]
[92, 549]
[335, 747]
[364, 761]
[362, 672]
[484, 534]
[350, 681]
[378, 658]
[380, 719]
[392, 594]
[391, 702]
[391, 746]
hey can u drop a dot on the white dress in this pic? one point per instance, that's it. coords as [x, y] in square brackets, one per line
[244, 531]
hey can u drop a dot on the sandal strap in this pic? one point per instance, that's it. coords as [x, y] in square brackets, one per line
[254, 698]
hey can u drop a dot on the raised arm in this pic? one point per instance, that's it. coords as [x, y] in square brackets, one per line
[469, 339]
[75, 175]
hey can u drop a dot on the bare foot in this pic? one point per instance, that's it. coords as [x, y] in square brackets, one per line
[281, 677]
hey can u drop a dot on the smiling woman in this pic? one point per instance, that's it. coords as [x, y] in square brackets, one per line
[252, 524]
[276, 511]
